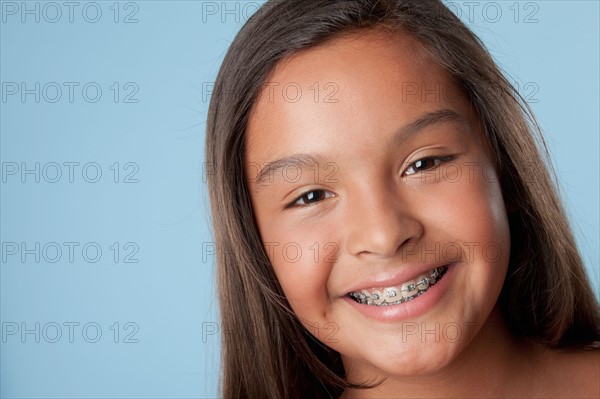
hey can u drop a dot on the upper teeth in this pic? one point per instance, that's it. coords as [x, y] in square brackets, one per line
[397, 294]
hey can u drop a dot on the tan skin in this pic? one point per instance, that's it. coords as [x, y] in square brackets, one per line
[371, 199]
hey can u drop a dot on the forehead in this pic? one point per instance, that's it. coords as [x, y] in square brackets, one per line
[356, 84]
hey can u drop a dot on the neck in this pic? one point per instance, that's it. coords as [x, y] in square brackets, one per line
[480, 370]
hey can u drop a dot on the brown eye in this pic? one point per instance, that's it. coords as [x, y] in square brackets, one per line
[425, 164]
[311, 197]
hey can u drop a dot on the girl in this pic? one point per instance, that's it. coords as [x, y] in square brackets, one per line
[386, 224]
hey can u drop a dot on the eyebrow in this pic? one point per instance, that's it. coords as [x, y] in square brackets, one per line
[296, 160]
[433, 118]
[403, 134]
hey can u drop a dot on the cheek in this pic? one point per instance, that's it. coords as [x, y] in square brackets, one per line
[302, 261]
[490, 219]
[471, 209]
[480, 221]
[469, 213]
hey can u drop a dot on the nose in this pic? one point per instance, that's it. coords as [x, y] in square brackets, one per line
[378, 225]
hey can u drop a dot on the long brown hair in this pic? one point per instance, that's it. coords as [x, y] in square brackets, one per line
[266, 352]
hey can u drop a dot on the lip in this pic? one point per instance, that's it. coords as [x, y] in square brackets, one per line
[410, 309]
[384, 280]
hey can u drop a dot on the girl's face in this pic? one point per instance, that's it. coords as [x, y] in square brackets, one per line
[369, 175]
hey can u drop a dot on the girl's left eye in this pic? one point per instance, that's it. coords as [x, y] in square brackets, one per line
[425, 164]
[310, 197]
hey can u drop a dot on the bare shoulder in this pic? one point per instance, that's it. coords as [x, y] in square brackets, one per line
[571, 373]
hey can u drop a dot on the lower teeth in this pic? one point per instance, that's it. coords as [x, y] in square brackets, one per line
[365, 300]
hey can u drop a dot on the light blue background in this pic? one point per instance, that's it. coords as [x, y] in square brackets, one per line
[170, 55]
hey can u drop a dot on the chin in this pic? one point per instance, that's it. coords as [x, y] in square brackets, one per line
[414, 359]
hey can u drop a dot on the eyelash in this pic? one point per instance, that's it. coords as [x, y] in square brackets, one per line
[294, 203]
[437, 162]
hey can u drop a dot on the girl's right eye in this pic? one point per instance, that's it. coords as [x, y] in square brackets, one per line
[310, 197]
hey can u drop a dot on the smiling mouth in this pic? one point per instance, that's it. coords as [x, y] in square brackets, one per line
[398, 294]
